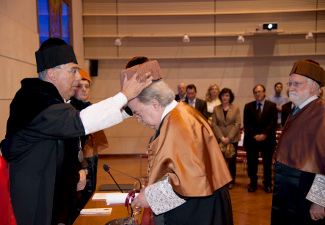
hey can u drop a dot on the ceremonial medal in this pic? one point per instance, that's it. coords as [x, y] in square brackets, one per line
[80, 156]
[80, 153]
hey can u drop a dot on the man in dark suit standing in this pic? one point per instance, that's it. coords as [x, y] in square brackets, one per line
[195, 102]
[260, 120]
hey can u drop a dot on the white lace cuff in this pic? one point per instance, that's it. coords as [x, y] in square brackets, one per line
[316, 193]
[162, 198]
[103, 114]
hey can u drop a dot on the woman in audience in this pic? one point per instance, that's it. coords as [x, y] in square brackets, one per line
[212, 100]
[225, 125]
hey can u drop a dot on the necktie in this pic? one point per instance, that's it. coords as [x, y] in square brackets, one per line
[259, 112]
[295, 110]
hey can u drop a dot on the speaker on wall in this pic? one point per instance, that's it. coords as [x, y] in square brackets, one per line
[93, 68]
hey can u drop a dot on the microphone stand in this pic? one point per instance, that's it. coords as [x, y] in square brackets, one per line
[106, 168]
[114, 181]
[128, 175]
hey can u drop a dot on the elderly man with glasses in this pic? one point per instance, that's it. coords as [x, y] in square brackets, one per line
[43, 144]
[299, 179]
[187, 173]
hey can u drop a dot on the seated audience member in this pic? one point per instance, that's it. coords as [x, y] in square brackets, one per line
[185, 186]
[181, 96]
[96, 142]
[279, 100]
[226, 125]
[212, 100]
[195, 102]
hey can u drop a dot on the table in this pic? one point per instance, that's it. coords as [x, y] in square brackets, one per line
[118, 211]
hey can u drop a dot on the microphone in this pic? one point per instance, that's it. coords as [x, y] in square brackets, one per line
[106, 168]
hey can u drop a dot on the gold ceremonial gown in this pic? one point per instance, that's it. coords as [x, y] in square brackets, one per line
[187, 151]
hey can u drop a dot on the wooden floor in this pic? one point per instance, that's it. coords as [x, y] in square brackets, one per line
[248, 208]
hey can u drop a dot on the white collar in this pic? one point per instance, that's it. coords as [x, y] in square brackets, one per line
[312, 98]
[169, 108]
[262, 102]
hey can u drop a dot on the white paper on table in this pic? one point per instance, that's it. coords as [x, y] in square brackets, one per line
[96, 211]
[117, 198]
[99, 196]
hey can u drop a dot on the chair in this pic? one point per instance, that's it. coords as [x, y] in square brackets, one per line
[242, 155]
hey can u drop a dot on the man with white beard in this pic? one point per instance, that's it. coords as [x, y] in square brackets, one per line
[299, 179]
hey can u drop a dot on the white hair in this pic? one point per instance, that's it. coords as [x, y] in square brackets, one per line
[158, 90]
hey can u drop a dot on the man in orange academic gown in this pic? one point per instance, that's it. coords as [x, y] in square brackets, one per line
[187, 172]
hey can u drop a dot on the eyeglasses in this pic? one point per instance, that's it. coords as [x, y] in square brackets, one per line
[73, 70]
[295, 84]
[138, 113]
[257, 92]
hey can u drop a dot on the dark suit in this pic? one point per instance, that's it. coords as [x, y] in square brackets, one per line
[286, 110]
[266, 125]
[177, 98]
[201, 106]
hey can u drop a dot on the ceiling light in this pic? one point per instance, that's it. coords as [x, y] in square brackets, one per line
[240, 39]
[309, 36]
[117, 42]
[186, 38]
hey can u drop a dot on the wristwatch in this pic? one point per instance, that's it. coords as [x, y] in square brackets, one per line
[86, 171]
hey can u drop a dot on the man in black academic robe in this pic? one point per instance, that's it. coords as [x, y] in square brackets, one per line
[42, 144]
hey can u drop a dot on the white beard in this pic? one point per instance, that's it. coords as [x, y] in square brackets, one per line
[298, 98]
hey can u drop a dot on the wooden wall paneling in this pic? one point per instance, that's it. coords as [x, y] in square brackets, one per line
[228, 47]
[126, 145]
[321, 4]
[320, 48]
[321, 20]
[21, 41]
[153, 25]
[4, 112]
[99, 6]
[22, 12]
[295, 45]
[12, 72]
[170, 6]
[256, 5]
[96, 48]
[166, 47]
[99, 25]
[297, 22]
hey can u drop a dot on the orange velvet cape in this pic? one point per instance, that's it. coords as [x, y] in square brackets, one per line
[187, 151]
[302, 143]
